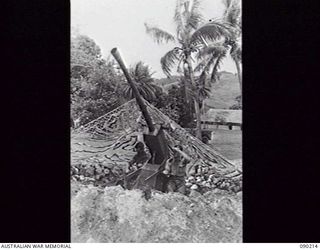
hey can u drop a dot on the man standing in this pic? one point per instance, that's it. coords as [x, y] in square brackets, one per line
[176, 170]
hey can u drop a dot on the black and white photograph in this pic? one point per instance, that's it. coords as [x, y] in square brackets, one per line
[156, 121]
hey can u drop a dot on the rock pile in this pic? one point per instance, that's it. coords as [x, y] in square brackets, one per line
[202, 179]
[97, 174]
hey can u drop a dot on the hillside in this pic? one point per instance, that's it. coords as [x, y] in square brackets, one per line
[166, 83]
[223, 93]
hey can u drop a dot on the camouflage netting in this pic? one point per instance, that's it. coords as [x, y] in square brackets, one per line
[101, 149]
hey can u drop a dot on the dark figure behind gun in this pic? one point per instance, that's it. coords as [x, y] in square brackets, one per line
[140, 158]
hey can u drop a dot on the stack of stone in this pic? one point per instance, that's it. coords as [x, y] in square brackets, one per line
[97, 174]
[204, 179]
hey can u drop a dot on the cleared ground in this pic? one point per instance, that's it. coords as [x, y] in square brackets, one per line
[115, 215]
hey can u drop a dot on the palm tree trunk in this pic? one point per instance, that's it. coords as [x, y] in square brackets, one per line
[198, 118]
[196, 100]
[185, 86]
[239, 74]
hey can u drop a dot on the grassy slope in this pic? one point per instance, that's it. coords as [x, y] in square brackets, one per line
[228, 143]
[224, 91]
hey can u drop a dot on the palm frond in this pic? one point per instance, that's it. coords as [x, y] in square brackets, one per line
[178, 17]
[127, 92]
[142, 76]
[146, 90]
[211, 31]
[232, 13]
[206, 69]
[200, 66]
[236, 52]
[216, 67]
[213, 50]
[192, 92]
[204, 92]
[187, 16]
[179, 70]
[158, 34]
[227, 4]
[169, 60]
[232, 16]
[194, 16]
[141, 73]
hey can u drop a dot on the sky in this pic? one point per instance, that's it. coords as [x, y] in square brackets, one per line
[120, 23]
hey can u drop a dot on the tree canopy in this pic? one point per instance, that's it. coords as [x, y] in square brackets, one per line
[93, 80]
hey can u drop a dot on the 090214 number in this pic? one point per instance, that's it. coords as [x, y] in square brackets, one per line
[308, 245]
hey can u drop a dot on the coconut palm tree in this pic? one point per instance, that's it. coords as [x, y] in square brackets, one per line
[188, 39]
[232, 15]
[231, 44]
[210, 58]
[142, 75]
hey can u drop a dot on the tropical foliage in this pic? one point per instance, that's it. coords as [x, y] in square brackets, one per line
[189, 38]
[142, 76]
[93, 81]
[212, 54]
[98, 86]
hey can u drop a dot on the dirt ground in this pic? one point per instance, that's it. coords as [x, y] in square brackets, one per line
[116, 215]
[113, 214]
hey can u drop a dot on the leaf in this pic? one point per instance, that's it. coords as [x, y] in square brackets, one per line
[211, 31]
[206, 69]
[187, 17]
[179, 70]
[178, 18]
[200, 66]
[232, 13]
[216, 67]
[236, 52]
[144, 82]
[213, 49]
[159, 35]
[169, 60]
[194, 17]
[204, 92]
